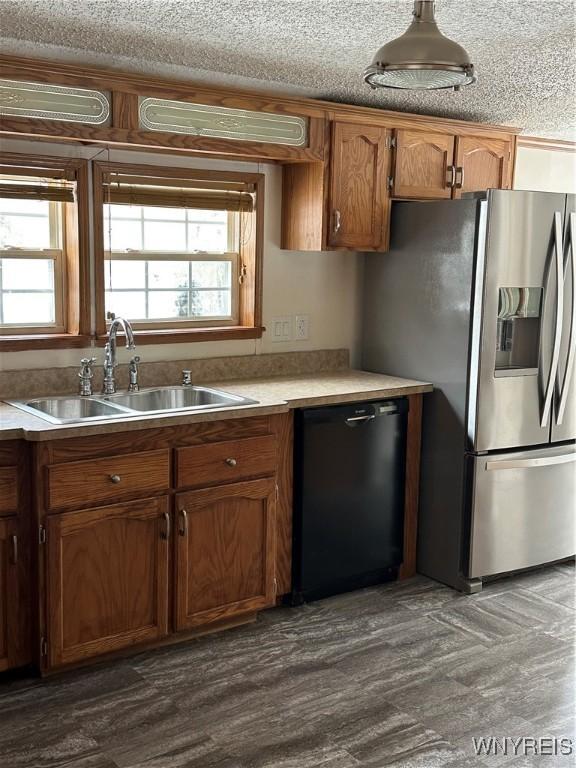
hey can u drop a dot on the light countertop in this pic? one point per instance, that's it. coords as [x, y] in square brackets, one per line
[274, 395]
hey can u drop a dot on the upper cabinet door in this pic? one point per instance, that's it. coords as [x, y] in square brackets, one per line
[423, 167]
[482, 164]
[226, 552]
[359, 204]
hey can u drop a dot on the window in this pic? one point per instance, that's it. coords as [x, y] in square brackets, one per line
[43, 252]
[31, 261]
[173, 265]
[180, 252]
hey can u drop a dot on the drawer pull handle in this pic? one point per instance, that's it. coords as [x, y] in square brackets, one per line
[231, 462]
[115, 479]
[183, 530]
[166, 532]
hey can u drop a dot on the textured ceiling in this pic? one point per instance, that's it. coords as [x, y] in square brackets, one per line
[524, 50]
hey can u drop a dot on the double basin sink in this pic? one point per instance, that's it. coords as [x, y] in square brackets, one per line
[74, 409]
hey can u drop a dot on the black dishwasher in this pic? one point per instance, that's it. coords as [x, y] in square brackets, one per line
[349, 496]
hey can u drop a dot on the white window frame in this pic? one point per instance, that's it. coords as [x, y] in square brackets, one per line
[56, 253]
[231, 255]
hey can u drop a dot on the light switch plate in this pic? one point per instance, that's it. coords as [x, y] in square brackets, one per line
[302, 327]
[282, 328]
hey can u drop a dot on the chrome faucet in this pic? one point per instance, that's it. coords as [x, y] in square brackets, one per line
[110, 350]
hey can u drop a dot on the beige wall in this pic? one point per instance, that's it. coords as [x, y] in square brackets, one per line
[326, 286]
[545, 170]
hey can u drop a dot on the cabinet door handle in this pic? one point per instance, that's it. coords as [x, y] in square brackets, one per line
[166, 532]
[459, 182]
[231, 462]
[337, 221]
[450, 182]
[183, 530]
[14, 549]
[115, 479]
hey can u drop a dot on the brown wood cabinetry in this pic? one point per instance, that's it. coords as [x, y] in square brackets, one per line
[106, 579]
[107, 479]
[9, 593]
[117, 571]
[345, 206]
[15, 566]
[481, 164]
[423, 166]
[358, 202]
[225, 561]
[430, 166]
[226, 461]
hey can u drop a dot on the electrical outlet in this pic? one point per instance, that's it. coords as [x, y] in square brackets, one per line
[282, 328]
[302, 327]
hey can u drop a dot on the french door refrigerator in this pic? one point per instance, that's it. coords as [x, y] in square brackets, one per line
[477, 296]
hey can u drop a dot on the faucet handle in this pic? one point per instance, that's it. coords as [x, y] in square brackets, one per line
[87, 363]
[110, 315]
[187, 377]
[85, 376]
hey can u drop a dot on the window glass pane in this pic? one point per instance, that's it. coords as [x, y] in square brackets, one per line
[168, 304]
[164, 236]
[208, 237]
[28, 308]
[27, 274]
[124, 274]
[31, 207]
[122, 235]
[163, 214]
[129, 304]
[168, 274]
[122, 211]
[211, 274]
[211, 303]
[24, 231]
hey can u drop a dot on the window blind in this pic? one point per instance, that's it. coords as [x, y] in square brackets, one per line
[62, 193]
[174, 193]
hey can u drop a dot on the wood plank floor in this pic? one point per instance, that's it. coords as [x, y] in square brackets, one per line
[398, 676]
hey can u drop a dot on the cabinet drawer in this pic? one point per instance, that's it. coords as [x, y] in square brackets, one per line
[8, 490]
[208, 464]
[82, 483]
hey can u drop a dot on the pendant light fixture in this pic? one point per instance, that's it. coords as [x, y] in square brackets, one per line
[422, 58]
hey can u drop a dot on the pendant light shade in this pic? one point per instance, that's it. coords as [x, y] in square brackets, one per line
[422, 58]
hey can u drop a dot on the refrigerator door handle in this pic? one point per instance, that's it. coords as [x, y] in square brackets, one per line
[543, 461]
[568, 371]
[559, 259]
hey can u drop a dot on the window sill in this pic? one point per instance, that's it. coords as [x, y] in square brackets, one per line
[188, 335]
[43, 341]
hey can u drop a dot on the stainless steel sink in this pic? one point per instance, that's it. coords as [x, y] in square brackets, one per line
[175, 399]
[67, 410]
[74, 409]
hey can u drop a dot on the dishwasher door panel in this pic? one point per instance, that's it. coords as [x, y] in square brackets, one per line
[523, 509]
[350, 473]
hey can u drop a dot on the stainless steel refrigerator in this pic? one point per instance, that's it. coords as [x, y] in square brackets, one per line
[477, 296]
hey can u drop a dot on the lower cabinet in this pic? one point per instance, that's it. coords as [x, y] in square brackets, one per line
[9, 593]
[225, 551]
[107, 579]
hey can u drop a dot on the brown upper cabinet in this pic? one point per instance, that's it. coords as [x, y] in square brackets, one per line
[437, 165]
[358, 200]
[345, 205]
[424, 165]
[482, 164]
